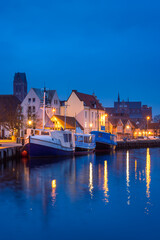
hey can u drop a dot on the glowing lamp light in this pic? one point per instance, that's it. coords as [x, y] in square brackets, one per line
[148, 118]
[90, 124]
[54, 183]
[29, 122]
[106, 115]
[53, 110]
[127, 127]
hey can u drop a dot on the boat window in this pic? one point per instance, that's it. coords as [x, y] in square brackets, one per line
[65, 137]
[76, 138]
[86, 139]
[32, 131]
[90, 139]
[100, 135]
[70, 137]
[80, 138]
[44, 133]
[36, 132]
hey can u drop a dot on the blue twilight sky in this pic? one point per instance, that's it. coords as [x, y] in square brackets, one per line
[96, 46]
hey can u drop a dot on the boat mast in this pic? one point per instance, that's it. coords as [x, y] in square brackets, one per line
[44, 104]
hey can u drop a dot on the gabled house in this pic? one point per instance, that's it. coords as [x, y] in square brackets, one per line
[87, 110]
[122, 127]
[32, 106]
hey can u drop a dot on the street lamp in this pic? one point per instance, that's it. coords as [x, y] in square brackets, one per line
[29, 122]
[90, 126]
[148, 118]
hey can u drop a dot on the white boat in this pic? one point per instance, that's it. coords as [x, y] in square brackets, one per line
[49, 143]
[84, 143]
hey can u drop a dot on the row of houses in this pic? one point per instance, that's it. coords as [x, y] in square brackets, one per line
[80, 112]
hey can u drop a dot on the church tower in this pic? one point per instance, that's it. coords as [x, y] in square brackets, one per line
[20, 86]
[118, 98]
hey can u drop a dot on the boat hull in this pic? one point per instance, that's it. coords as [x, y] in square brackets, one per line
[36, 150]
[105, 146]
[81, 150]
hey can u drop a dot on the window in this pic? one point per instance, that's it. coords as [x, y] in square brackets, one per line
[55, 102]
[34, 109]
[85, 124]
[29, 109]
[65, 137]
[33, 99]
[95, 115]
[29, 100]
[92, 115]
[44, 133]
[80, 138]
[70, 137]
[85, 114]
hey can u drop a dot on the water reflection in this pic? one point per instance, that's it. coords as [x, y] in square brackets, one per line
[91, 179]
[105, 187]
[53, 194]
[148, 173]
[135, 169]
[127, 177]
[87, 177]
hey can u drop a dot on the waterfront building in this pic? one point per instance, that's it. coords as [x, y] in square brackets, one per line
[86, 109]
[20, 86]
[69, 123]
[129, 109]
[122, 127]
[32, 106]
[9, 115]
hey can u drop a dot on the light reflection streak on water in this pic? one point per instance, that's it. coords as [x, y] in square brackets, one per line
[105, 187]
[135, 169]
[91, 179]
[148, 172]
[53, 194]
[127, 177]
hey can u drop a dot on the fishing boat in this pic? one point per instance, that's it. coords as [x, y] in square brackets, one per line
[104, 140]
[50, 143]
[84, 143]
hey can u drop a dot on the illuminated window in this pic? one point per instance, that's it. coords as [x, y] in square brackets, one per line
[85, 124]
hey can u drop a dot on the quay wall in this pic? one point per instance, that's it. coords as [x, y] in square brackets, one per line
[138, 144]
[9, 152]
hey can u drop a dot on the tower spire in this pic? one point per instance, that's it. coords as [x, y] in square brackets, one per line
[118, 97]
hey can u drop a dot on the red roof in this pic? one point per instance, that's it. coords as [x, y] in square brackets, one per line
[89, 100]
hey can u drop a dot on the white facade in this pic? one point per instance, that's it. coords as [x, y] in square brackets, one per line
[90, 118]
[34, 104]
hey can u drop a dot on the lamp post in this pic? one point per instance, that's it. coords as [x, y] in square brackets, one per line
[148, 118]
[90, 126]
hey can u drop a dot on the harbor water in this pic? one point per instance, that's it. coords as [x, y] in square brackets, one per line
[97, 196]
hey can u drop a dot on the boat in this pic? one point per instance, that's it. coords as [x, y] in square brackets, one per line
[84, 143]
[49, 143]
[105, 141]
